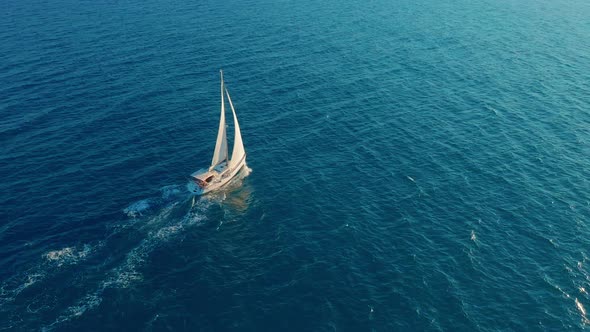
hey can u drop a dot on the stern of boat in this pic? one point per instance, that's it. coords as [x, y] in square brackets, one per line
[193, 182]
[194, 188]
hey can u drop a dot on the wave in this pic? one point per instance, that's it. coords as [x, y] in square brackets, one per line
[159, 229]
[168, 194]
[68, 255]
[153, 222]
[90, 301]
[34, 280]
[51, 263]
[138, 208]
[582, 311]
[11, 288]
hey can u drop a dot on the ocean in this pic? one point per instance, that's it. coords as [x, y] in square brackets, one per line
[412, 165]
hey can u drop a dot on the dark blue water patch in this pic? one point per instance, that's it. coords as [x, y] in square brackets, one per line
[414, 166]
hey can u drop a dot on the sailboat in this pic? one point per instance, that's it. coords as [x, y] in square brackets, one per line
[222, 168]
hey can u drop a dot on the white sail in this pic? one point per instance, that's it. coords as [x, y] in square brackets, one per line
[238, 152]
[220, 153]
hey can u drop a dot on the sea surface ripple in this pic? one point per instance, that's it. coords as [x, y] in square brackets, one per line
[413, 165]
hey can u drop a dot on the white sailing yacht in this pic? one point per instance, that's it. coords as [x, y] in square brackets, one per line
[222, 168]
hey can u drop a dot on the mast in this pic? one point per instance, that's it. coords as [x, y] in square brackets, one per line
[222, 102]
[220, 152]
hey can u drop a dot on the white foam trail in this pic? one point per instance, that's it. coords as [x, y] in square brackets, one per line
[88, 302]
[12, 287]
[138, 208]
[68, 255]
[31, 279]
[127, 273]
[171, 193]
[58, 254]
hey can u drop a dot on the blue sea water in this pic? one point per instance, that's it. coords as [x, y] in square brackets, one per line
[414, 165]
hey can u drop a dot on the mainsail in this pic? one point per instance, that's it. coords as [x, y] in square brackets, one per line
[238, 152]
[220, 153]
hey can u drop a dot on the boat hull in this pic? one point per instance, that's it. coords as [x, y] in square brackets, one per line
[216, 184]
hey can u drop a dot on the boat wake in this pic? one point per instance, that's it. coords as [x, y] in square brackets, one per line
[121, 258]
[51, 263]
[146, 206]
[35, 284]
[156, 222]
[68, 255]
